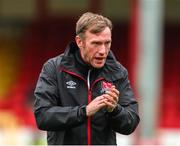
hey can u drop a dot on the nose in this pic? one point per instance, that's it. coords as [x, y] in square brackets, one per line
[102, 50]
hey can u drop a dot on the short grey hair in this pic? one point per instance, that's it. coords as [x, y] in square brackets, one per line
[95, 22]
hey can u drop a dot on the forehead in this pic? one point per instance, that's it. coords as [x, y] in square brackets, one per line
[104, 34]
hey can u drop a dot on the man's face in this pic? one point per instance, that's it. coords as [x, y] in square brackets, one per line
[94, 48]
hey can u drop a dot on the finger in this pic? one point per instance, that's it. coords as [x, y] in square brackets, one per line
[110, 99]
[96, 105]
[109, 104]
[110, 93]
[101, 105]
[115, 91]
[113, 86]
[99, 98]
[113, 95]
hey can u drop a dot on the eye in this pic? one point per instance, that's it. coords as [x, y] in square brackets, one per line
[96, 43]
[108, 43]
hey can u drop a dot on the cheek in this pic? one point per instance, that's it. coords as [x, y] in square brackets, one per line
[88, 54]
[92, 54]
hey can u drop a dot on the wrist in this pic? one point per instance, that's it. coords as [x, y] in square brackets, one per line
[83, 111]
[115, 111]
[87, 111]
[110, 110]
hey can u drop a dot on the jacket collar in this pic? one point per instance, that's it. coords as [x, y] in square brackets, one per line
[112, 69]
[73, 62]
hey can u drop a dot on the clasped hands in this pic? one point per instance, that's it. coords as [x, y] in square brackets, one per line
[109, 100]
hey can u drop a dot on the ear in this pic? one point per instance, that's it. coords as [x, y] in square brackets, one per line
[79, 41]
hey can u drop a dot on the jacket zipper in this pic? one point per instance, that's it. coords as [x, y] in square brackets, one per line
[89, 100]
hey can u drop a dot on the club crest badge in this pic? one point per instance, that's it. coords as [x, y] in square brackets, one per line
[105, 86]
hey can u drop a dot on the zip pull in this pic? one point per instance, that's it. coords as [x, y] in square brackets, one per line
[88, 79]
[89, 119]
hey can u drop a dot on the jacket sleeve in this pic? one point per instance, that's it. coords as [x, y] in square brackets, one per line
[124, 119]
[48, 114]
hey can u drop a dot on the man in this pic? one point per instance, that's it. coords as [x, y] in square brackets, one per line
[83, 96]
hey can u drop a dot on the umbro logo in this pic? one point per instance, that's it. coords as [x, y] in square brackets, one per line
[71, 84]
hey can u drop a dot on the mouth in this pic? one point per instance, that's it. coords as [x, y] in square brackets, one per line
[99, 60]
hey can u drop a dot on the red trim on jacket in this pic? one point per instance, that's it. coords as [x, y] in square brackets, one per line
[97, 80]
[89, 118]
[89, 100]
[72, 73]
[89, 121]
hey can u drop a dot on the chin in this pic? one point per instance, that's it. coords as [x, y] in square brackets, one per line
[98, 65]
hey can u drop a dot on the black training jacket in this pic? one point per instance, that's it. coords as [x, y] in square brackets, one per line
[64, 88]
